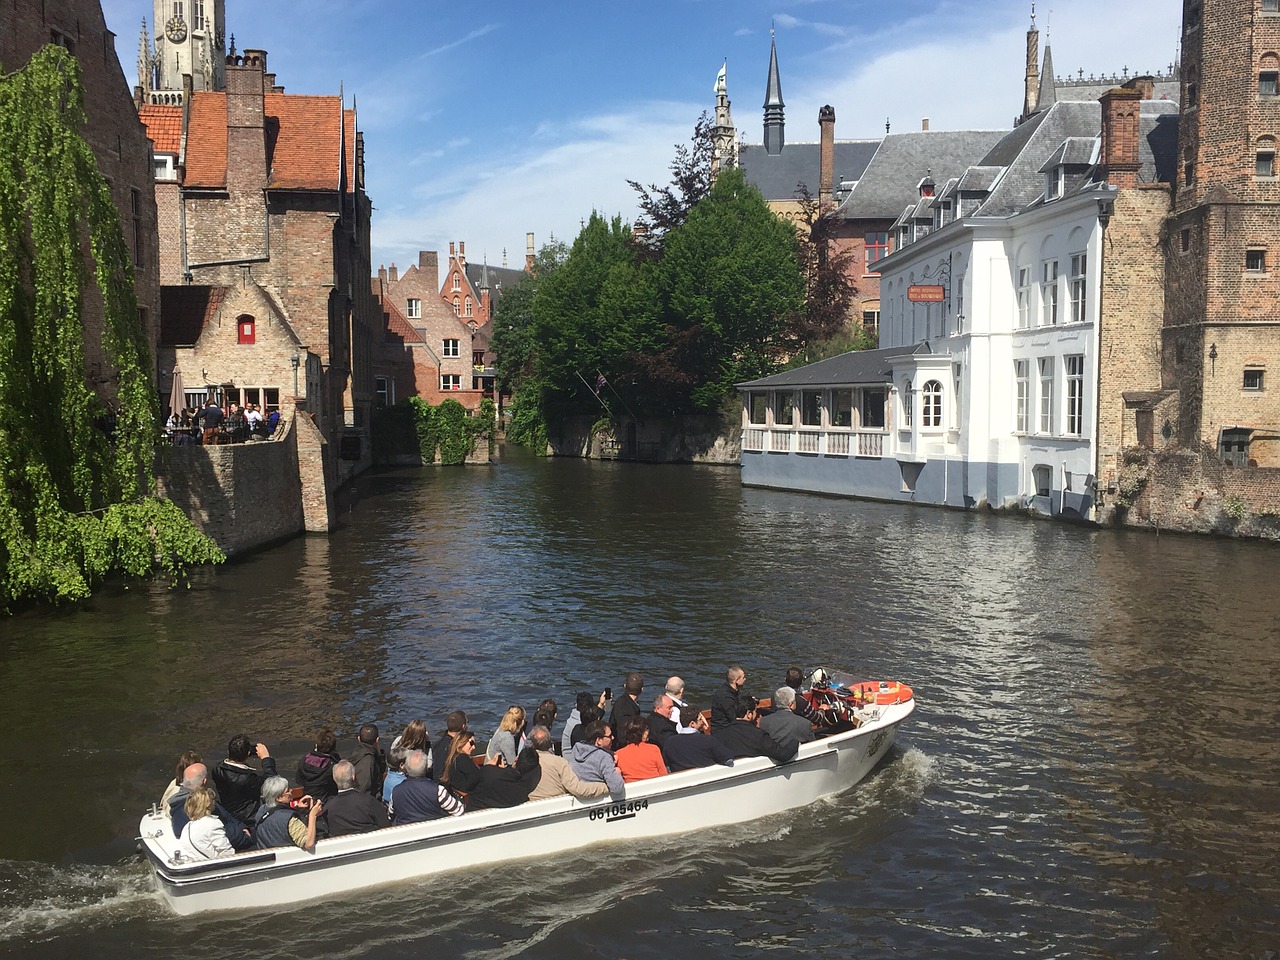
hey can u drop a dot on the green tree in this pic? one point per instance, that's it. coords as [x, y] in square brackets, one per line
[663, 209]
[75, 477]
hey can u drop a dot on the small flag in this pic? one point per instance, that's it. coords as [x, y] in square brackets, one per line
[600, 382]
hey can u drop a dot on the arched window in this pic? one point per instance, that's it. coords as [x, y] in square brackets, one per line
[931, 404]
[246, 330]
[457, 306]
[468, 306]
[906, 403]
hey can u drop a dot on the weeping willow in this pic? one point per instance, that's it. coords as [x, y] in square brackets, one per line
[76, 482]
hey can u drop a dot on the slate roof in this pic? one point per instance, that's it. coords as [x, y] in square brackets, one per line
[504, 276]
[858, 366]
[902, 160]
[164, 126]
[776, 177]
[303, 137]
[185, 310]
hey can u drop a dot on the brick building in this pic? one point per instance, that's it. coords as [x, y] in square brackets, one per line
[118, 140]
[264, 233]
[1221, 349]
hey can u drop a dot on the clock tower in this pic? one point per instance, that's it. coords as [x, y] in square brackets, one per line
[190, 38]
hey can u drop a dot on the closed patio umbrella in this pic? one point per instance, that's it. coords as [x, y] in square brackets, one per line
[177, 398]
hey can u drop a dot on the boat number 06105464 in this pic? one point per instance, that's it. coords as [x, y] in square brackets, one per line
[618, 811]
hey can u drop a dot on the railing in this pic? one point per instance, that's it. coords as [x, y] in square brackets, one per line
[870, 444]
[807, 441]
[753, 439]
[780, 441]
[862, 443]
[838, 444]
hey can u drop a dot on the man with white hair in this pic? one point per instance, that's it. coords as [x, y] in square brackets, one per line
[675, 690]
[784, 724]
[352, 810]
[420, 798]
[195, 777]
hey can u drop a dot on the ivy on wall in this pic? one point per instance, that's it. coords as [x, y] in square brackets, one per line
[447, 434]
[76, 483]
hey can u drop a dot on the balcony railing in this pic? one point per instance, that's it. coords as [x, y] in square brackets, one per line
[834, 443]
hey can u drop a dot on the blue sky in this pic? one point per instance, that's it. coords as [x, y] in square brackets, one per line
[484, 121]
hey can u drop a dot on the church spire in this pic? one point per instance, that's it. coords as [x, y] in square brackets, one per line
[724, 138]
[144, 59]
[773, 105]
[1048, 95]
[1032, 92]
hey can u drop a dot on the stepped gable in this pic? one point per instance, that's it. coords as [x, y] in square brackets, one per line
[304, 136]
[776, 176]
[164, 126]
[892, 178]
[186, 310]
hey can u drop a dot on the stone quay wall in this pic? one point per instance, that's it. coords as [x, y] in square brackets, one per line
[691, 439]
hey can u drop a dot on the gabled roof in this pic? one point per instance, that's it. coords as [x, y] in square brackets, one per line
[902, 160]
[164, 126]
[776, 176]
[858, 366]
[185, 310]
[1030, 143]
[397, 324]
[498, 276]
[1072, 152]
[303, 137]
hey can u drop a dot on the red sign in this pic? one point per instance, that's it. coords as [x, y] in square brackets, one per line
[926, 293]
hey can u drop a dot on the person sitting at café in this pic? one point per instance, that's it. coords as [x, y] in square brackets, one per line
[638, 759]
[784, 724]
[661, 724]
[593, 763]
[696, 748]
[239, 784]
[369, 761]
[454, 723]
[315, 770]
[352, 810]
[461, 774]
[420, 798]
[509, 738]
[744, 738]
[253, 417]
[237, 427]
[280, 819]
[557, 777]
[505, 786]
[203, 837]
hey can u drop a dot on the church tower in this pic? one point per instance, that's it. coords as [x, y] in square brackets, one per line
[190, 40]
[1222, 240]
[724, 152]
[773, 105]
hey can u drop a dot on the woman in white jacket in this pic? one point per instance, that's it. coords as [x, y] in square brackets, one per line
[204, 837]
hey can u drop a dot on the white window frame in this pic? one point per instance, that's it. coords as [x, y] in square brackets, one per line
[1079, 287]
[1049, 293]
[450, 381]
[1022, 402]
[1045, 366]
[1024, 298]
[1074, 364]
[931, 405]
[451, 348]
[414, 308]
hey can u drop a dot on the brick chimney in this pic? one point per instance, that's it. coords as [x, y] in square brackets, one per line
[393, 274]
[462, 252]
[429, 267]
[246, 141]
[528, 252]
[382, 275]
[452, 252]
[826, 155]
[1144, 85]
[924, 124]
[1120, 130]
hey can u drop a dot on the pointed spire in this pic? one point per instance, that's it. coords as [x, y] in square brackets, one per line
[1048, 95]
[144, 58]
[1031, 90]
[774, 122]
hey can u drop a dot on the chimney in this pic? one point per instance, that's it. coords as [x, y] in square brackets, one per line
[257, 58]
[246, 140]
[528, 252]
[382, 275]
[1146, 86]
[462, 252]
[1031, 98]
[1118, 155]
[452, 252]
[924, 124]
[269, 82]
[429, 267]
[826, 155]
[393, 274]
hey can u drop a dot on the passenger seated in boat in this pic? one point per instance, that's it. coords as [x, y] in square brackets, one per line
[504, 786]
[203, 837]
[592, 761]
[697, 748]
[352, 810]
[315, 770]
[461, 775]
[414, 737]
[591, 713]
[239, 784]
[196, 777]
[280, 819]
[661, 725]
[509, 738]
[368, 761]
[803, 708]
[455, 723]
[675, 690]
[184, 761]
[557, 777]
[546, 714]
[784, 724]
[420, 798]
[584, 703]
[744, 738]
[638, 759]
[627, 705]
[395, 772]
[726, 700]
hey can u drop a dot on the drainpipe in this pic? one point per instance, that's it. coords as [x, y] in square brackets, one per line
[1106, 206]
[1062, 500]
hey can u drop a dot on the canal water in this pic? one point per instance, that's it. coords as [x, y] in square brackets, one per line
[1091, 772]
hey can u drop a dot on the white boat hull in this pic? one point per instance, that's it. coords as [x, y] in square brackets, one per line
[677, 803]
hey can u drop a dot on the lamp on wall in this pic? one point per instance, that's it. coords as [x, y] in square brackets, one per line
[294, 360]
[1213, 359]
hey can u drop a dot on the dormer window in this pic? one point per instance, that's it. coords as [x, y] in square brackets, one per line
[1055, 182]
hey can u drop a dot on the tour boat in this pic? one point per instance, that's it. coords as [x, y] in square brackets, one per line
[675, 803]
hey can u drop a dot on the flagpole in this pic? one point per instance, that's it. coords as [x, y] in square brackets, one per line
[596, 394]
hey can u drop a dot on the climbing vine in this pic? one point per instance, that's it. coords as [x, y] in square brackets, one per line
[75, 474]
[447, 432]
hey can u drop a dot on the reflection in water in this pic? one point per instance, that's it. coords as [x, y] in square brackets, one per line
[1090, 771]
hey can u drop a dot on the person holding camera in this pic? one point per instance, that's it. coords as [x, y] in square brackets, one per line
[240, 785]
[280, 821]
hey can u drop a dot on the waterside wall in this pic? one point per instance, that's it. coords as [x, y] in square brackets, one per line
[692, 439]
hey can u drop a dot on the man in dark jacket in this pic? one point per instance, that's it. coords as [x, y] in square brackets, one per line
[238, 784]
[627, 705]
[661, 725]
[210, 419]
[454, 724]
[420, 798]
[352, 810]
[195, 777]
[744, 738]
[315, 770]
[725, 701]
[503, 786]
[785, 725]
[697, 748]
[369, 761]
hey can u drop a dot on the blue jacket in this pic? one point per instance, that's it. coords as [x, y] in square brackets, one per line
[593, 765]
[421, 798]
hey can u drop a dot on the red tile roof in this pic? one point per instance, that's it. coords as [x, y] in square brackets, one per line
[303, 138]
[397, 325]
[164, 126]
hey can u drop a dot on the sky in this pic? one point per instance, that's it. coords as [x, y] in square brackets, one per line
[483, 122]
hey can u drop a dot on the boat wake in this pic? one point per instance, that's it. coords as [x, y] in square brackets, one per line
[41, 899]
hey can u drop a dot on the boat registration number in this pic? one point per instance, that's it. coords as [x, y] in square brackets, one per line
[618, 811]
